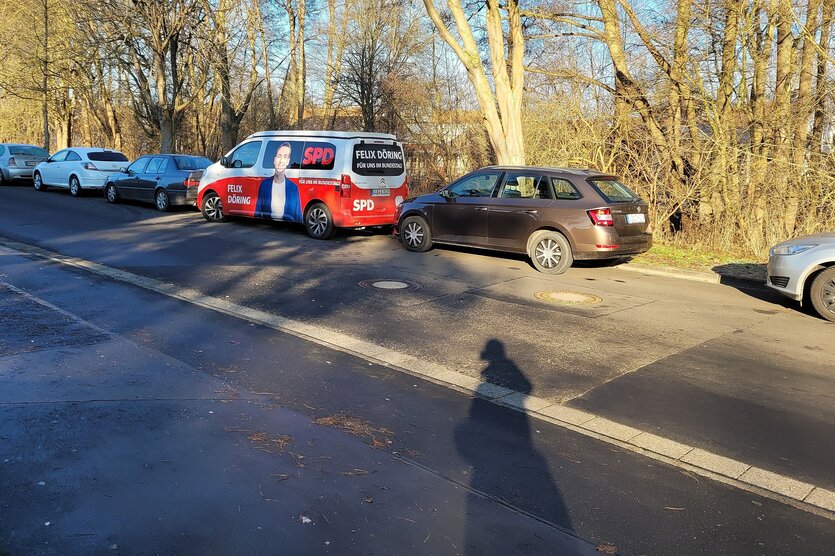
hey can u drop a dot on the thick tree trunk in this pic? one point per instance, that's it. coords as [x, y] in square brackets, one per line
[501, 109]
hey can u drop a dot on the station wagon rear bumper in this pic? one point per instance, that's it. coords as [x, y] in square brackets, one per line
[629, 245]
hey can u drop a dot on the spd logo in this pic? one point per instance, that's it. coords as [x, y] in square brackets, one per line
[363, 204]
[316, 156]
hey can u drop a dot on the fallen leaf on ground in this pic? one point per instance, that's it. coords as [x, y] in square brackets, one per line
[607, 549]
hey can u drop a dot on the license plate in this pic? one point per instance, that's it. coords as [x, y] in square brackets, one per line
[379, 192]
[29, 163]
[636, 218]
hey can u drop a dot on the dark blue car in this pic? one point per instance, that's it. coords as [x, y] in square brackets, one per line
[162, 179]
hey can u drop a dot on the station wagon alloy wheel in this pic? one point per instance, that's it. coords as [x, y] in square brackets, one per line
[550, 252]
[413, 234]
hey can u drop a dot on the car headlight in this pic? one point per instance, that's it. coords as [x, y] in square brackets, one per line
[791, 249]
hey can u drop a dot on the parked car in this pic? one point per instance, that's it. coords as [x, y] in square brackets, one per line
[325, 179]
[18, 161]
[77, 169]
[553, 215]
[804, 268]
[161, 179]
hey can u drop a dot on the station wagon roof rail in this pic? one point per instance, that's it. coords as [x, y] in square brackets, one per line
[573, 171]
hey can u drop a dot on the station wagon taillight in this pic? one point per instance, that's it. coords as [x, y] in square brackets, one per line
[90, 166]
[345, 186]
[601, 217]
[12, 162]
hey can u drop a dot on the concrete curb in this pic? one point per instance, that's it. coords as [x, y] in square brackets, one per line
[692, 275]
[801, 495]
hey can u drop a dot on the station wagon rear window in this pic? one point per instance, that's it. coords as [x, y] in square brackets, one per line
[614, 191]
[377, 160]
[107, 156]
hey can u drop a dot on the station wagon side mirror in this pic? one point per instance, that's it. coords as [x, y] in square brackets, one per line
[444, 193]
[224, 161]
[48, 160]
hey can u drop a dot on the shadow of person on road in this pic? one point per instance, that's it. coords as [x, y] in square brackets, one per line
[496, 443]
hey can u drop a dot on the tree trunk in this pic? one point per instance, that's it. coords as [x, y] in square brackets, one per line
[816, 141]
[501, 110]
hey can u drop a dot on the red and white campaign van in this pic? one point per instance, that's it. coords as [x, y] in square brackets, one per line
[325, 179]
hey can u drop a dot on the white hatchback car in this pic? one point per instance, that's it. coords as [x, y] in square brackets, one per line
[78, 168]
[805, 266]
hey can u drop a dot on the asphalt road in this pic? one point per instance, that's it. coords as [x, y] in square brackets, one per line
[736, 371]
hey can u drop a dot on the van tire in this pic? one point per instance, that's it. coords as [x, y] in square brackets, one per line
[318, 221]
[415, 234]
[212, 207]
[550, 252]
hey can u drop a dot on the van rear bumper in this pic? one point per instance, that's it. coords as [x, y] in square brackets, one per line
[351, 221]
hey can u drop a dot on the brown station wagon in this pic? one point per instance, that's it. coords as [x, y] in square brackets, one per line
[554, 215]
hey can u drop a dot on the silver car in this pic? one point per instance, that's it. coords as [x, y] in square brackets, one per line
[806, 266]
[18, 161]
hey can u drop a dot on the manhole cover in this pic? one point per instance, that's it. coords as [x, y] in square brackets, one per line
[389, 284]
[568, 298]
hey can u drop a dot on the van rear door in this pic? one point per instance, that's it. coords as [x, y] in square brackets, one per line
[379, 175]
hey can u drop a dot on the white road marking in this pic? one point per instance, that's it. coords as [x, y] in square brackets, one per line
[801, 495]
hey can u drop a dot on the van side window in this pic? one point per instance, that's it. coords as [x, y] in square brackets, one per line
[318, 156]
[564, 190]
[296, 148]
[245, 156]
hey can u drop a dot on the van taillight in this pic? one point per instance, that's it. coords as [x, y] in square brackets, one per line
[193, 179]
[601, 217]
[345, 186]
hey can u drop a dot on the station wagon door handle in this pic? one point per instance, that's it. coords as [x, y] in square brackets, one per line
[531, 211]
[481, 208]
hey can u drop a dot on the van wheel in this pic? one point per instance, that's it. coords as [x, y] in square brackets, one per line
[415, 234]
[319, 222]
[111, 194]
[550, 252]
[212, 208]
[37, 182]
[822, 294]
